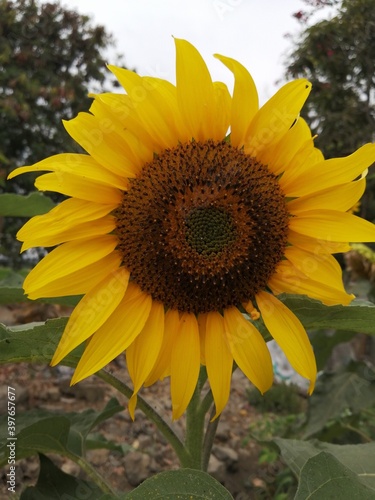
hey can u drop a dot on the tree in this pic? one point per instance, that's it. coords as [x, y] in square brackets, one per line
[338, 57]
[50, 58]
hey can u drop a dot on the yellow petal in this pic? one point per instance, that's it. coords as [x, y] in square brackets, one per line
[329, 173]
[92, 311]
[333, 225]
[185, 364]
[54, 227]
[342, 197]
[305, 158]
[276, 117]
[278, 157]
[248, 349]
[219, 360]
[102, 141]
[288, 279]
[143, 93]
[165, 100]
[132, 404]
[289, 333]
[136, 143]
[80, 165]
[122, 111]
[316, 245]
[245, 102]
[195, 95]
[319, 267]
[222, 111]
[78, 282]
[37, 233]
[144, 350]
[116, 334]
[78, 187]
[66, 259]
[162, 367]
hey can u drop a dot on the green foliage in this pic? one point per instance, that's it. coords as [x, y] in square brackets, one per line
[343, 400]
[50, 58]
[17, 205]
[324, 341]
[54, 484]
[338, 403]
[323, 476]
[359, 316]
[357, 458]
[280, 399]
[184, 484]
[188, 484]
[41, 431]
[33, 343]
[338, 57]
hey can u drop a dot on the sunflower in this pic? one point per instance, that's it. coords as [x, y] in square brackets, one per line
[191, 212]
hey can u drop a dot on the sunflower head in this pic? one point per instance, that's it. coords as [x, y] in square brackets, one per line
[191, 211]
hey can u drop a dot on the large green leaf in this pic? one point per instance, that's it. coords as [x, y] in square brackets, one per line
[183, 484]
[323, 476]
[359, 316]
[41, 431]
[34, 343]
[16, 205]
[336, 393]
[49, 435]
[358, 458]
[54, 484]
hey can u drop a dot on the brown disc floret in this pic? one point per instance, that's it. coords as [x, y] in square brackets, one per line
[202, 227]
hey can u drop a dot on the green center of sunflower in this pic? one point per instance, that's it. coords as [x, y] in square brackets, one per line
[202, 227]
[209, 230]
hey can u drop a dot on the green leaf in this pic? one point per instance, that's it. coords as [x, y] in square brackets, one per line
[95, 441]
[35, 343]
[337, 393]
[323, 342]
[12, 295]
[54, 484]
[9, 277]
[47, 432]
[358, 458]
[49, 435]
[16, 205]
[359, 316]
[82, 423]
[182, 484]
[323, 476]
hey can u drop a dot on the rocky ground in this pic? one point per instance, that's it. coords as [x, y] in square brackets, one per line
[234, 461]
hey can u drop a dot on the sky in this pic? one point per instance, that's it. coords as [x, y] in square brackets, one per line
[251, 31]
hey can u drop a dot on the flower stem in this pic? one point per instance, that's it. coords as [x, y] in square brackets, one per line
[93, 474]
[195, 416]
[152, 415]
[209, 440]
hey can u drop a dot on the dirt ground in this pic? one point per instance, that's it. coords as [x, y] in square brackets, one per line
[234, 461]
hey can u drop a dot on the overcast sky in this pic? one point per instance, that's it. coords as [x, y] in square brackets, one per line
[251, 31]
